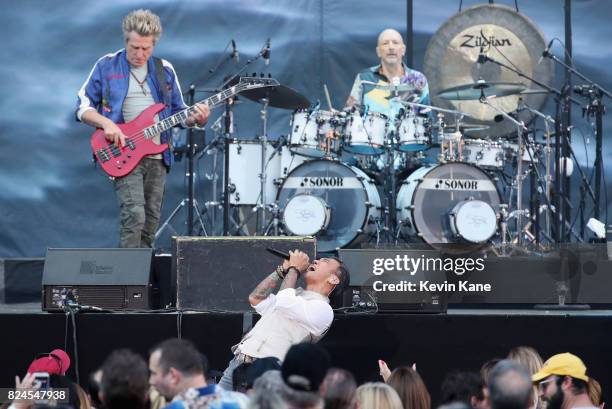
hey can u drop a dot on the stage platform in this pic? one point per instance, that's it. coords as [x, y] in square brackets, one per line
[474, 329]
[458, 339]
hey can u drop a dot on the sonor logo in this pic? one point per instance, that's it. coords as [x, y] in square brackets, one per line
[334, 181]
[457, 184]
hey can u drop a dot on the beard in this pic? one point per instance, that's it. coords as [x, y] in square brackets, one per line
[556, 400]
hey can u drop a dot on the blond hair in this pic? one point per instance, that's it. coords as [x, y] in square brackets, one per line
[377, 395]
[143, 22]
[528, 357]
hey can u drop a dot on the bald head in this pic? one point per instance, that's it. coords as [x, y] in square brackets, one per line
[390, 48]
[390, 34]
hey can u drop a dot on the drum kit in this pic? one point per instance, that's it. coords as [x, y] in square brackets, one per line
[452, 174]
[349, 177]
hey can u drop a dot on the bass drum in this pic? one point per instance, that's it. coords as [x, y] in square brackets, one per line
[449, 203]
[337, 203]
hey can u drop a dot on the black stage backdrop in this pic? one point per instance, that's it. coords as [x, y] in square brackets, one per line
[437, 343]
[50, 193]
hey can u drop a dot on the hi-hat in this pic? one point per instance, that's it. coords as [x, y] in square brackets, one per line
[476, 90]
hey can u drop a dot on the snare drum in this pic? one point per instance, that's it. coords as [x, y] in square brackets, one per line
[414, 132]
[308, 133]
[365, 135]
[484, 153]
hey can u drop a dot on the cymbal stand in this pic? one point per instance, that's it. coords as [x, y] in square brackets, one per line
[264, 173]
[520, 128]
[190, 202]
[226, 187]
[548, 164]
[213, 149]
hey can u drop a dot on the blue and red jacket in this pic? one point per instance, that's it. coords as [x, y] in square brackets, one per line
[107, 85]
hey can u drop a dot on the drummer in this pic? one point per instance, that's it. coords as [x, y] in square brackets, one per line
[391, 71]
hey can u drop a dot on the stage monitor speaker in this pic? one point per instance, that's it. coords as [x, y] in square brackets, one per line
[219, 273]
[364, 292]
[113, 279]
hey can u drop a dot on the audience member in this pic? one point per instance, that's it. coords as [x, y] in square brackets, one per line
[463, 387]
[595, 393]
[177, 372]
[124, 381]
[338, 389]
[563, 383]
[485, 369]
[377, 395]
[56, 362]
[410, 387]
[530, 359]
[509, 386]
[269, 392]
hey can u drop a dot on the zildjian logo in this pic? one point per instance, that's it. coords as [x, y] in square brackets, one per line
[483, 41]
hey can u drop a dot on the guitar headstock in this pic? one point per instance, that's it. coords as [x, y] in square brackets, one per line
[258, 82]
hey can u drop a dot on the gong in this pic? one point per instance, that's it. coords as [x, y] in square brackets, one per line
[503, 35]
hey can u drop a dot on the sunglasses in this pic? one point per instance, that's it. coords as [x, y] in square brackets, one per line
[542, 385]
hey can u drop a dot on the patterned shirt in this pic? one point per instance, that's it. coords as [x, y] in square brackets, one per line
[209, 397]
[365, 94]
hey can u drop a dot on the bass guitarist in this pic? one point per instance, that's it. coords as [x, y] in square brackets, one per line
[120, 86]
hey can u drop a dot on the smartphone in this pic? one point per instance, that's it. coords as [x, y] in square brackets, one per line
[41, 379]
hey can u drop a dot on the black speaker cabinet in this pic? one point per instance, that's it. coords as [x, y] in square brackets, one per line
[114, 279]
[219, 273]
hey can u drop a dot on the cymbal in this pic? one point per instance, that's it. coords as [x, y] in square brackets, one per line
[279, 96]
[504, 35]
[534, 91]
[481, 87]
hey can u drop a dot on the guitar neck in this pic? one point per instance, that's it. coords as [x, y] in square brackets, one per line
[182, 116]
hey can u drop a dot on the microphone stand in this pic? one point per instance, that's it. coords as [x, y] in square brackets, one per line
[227, 133]
[560, 137]
[596, 108]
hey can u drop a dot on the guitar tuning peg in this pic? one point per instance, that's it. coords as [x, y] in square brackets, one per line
[261, 74]
[269, 75]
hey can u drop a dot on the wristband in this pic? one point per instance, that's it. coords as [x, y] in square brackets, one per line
[294, 268]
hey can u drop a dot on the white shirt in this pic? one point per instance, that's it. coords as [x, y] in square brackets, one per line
[289, 317]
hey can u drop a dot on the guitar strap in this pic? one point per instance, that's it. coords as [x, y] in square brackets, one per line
[161, 79]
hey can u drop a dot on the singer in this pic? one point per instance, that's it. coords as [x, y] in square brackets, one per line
[293, 315]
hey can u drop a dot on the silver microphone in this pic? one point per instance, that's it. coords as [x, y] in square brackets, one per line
[546, 52]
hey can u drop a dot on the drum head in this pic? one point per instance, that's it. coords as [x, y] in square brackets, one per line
[343, 192]
[474, 221]
[305, 215]
[439, 190]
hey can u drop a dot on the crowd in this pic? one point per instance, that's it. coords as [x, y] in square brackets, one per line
[177, 377]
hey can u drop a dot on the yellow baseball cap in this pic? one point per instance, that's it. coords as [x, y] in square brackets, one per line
[565, 364]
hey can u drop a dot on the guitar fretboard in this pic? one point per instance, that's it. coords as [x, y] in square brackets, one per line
[181, 117]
